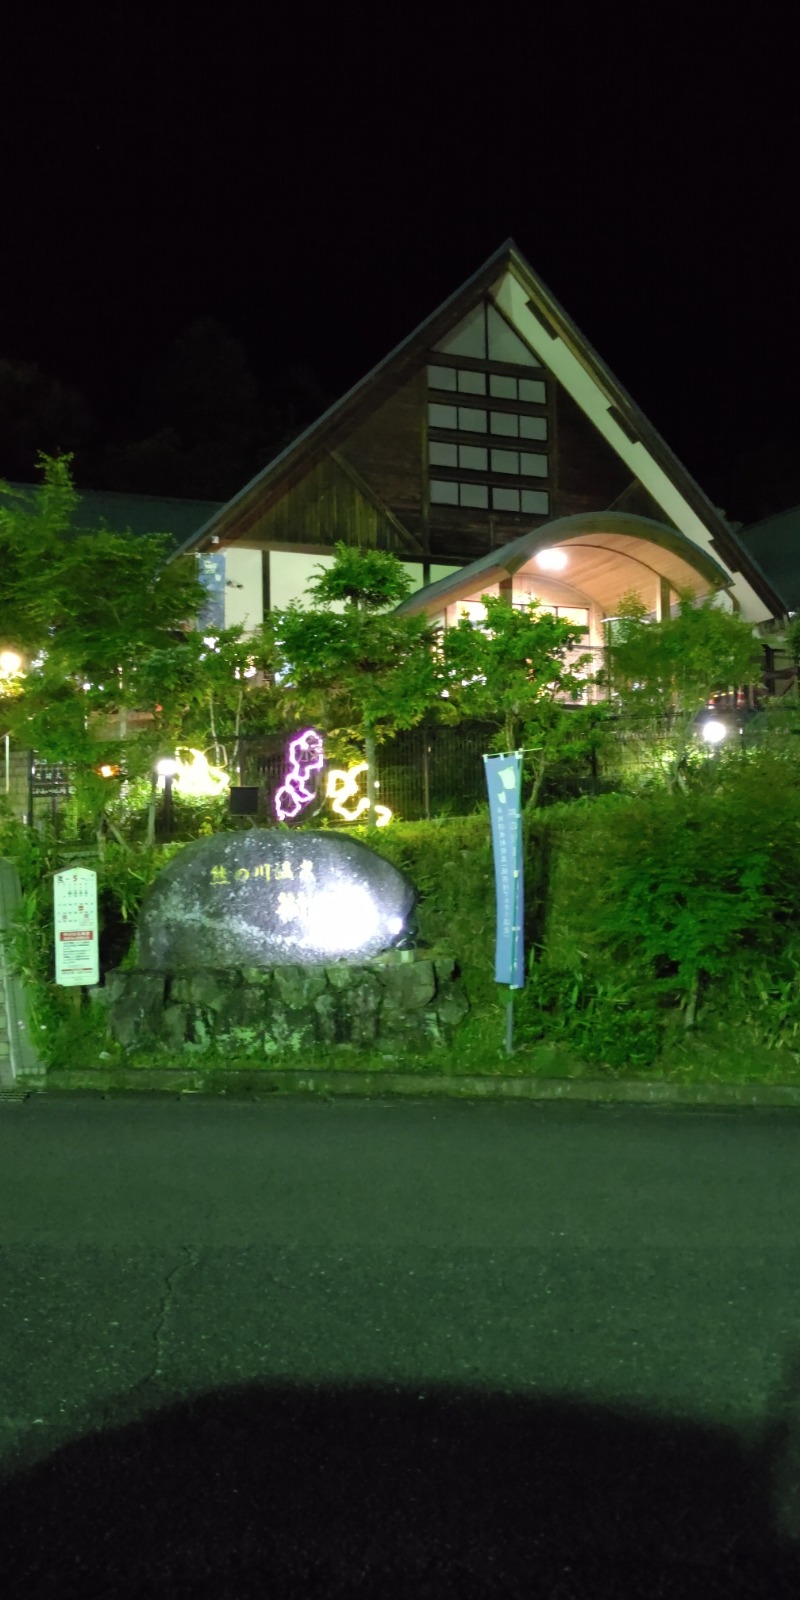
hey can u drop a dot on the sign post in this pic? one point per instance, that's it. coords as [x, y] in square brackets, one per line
[504, 782]
[75, 915]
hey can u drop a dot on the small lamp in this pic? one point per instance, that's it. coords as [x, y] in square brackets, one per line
[713, 731]
[166, 768]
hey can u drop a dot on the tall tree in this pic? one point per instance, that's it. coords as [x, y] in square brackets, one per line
[663, 674]
[205, 419]
[38, 412]
[514, 670]
[86, 612]
[371, 671]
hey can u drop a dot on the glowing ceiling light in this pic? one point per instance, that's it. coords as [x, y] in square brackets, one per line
[551, 560]
[343, 786]
[304, 757]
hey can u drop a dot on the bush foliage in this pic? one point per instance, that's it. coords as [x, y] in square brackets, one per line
[650, 919]
[662, 906]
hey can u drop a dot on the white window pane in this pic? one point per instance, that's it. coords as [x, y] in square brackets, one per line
[505, 461]
[533, 427]
[473, 457]
[532, 389]
[473, 610]
[505, 422]
[471, 421]
[535, 502]
[441, 377]
[505, 499]
[472, 382]
[443, 494]
[579, 615]
[533, 466]
[442, 416]
[469, 337]
[442, 455]
[503, 388]
[505, 344]
[474, 494]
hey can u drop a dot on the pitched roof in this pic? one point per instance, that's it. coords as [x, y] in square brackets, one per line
[544, 324]
[774, 542]
[141, 513]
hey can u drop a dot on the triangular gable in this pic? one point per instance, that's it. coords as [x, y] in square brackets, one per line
[485, 335]
[506, 307]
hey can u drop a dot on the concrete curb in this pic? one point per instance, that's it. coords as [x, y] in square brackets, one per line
[261, 1084]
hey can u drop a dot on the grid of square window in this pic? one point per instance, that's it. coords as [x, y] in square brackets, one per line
[458, 380]
[489, 459]
[473, 419]
[533, 502]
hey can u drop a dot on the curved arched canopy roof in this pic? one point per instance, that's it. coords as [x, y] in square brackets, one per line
[608, 554]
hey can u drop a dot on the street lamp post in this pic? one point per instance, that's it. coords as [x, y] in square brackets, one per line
[166, 769]
[11, 665]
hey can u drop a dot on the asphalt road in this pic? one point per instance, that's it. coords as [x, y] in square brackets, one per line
[392, 1348]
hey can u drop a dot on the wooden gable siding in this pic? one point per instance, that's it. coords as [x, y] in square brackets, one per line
[388, 448]
[636, 500]
[370, 487]
[460, 534]
[585, 475]
[323, 507]
[588, 475]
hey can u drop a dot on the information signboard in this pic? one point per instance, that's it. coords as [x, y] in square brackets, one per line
[48, 777]
[75, 913]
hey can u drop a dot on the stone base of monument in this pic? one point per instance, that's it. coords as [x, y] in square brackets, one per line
[391, 1002]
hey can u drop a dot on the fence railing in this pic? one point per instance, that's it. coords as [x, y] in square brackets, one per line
[422, 772]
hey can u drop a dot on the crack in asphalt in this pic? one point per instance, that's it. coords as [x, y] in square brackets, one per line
[189, 1260]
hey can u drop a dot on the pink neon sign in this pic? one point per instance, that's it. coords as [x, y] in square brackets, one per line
[304, 757]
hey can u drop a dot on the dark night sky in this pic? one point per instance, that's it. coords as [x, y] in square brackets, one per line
[320, 185]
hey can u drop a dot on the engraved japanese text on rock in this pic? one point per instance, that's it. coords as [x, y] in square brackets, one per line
[266, 898]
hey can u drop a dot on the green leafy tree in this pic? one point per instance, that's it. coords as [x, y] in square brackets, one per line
[87, 612]
[662, 674]
[512, 670]
[208, 690]
[362, 669]
[37, 413]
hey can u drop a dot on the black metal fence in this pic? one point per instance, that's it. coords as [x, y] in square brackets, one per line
[423, 772]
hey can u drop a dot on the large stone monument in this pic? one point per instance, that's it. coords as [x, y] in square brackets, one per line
[269, 942]
[267, 898]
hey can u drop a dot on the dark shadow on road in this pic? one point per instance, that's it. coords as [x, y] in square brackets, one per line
[284, 1491]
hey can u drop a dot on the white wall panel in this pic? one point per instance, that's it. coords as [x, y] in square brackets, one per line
[244, 590]
[289, 572]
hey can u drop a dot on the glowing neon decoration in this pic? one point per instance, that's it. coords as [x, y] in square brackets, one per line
[343, 786]
[305, 756]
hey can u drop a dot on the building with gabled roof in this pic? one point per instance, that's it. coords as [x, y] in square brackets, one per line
[493, 433]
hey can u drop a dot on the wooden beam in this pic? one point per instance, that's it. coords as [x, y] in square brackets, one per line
[375, 500]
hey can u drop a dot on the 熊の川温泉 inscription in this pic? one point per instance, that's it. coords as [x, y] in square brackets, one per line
[265, 898]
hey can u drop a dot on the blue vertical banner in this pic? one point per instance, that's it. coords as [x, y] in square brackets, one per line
[211, 574]
[504, 782]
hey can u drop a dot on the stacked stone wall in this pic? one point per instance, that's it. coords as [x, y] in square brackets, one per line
[388, 1003]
